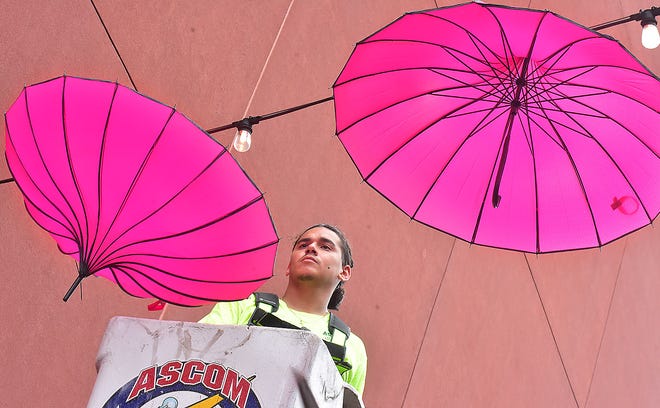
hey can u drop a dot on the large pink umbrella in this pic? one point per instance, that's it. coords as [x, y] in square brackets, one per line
[137, 193]
[505, 127]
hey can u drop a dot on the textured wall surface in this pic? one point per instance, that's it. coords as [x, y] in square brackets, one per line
[445, 323]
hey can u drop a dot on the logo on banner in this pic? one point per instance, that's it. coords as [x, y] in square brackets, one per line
[186, 384]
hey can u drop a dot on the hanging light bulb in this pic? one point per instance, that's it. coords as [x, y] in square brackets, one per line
[650, 35]
[242, 140]
[243, 137]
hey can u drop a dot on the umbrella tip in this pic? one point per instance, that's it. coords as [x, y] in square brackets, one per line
[73, 287]
[83, 271]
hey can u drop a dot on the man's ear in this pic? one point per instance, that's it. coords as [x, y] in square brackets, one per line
[345, 273]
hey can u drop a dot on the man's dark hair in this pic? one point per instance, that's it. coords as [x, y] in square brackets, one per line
[346, 259]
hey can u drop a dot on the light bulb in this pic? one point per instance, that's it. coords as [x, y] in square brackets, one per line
[242, 140]
[650, 36]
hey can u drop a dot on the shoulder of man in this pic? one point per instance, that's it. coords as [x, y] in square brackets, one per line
[233, 312]
[356, 342]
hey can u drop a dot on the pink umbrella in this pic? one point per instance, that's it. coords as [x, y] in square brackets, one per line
[505, 127]
[137, 193]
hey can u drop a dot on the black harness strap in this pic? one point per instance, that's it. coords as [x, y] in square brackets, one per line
[270, 299]
[337, 323]
[261, 317]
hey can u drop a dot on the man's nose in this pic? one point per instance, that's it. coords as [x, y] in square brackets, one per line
[310, 248]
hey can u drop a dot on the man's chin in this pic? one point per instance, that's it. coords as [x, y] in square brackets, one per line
[305, 277]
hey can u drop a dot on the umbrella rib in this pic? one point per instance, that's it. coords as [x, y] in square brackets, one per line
[101, 259]
[27, 198]
[83, 244]
[121, 286]
[473, 37]
[509, 124]
[129, 275]
[578, 177]
[542, 63]
[564, 50]
[545, 79]
[419, 68]
[74, 232]
[197, 228]
[458, 115]
[527, 131]
[483, 123]
[590, 67]
[72, 237]
[506, 45]
[474, 130]
[395, 151]
[531, 112]
[137, 176]
[535, 112]
[483, 201]
[541, 128]
[504, 145]
[450, 51]
[449, 114]
[228, 215]
[399, 102]
[574, 98]
[613, 162]
[497, 94]
[243, 252]
[99, 175]
[435, 70]
[539, 107]
[603, 115]
[592, 87]
[494, 90]
[497, 74]
[558, 96]
[169, 273]
[507, 50]
[503, 88]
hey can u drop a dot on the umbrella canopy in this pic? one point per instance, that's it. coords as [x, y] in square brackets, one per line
[137, 193]
[505, 127]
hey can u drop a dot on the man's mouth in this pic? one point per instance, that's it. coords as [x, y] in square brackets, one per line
[308, 258]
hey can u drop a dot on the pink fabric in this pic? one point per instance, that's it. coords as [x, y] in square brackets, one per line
[425, 107]
[138, 192]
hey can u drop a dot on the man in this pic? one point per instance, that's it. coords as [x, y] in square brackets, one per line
[320, 263]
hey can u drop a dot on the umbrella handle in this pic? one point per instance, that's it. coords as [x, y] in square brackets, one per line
[73, 287]
[500, 170]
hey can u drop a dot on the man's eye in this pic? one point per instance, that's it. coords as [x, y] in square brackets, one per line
[328, 247]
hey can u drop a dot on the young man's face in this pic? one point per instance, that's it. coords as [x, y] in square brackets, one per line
[316, 257]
